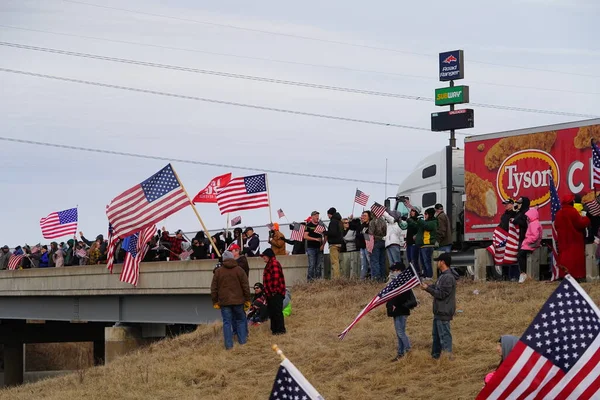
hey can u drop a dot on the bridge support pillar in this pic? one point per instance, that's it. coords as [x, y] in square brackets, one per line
[120, 340]
[13, 363]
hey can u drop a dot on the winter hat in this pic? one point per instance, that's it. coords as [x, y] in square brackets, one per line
[227, 255]
[417, 209]
[507, 342]
[259, 285]
[331, 211]
[268, 253]
[275, 226]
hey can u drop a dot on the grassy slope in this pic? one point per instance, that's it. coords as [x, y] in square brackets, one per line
[195, 366]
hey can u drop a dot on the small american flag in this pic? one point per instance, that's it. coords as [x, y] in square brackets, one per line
[377, 209]
[320, 228]
[135, 248]
[554, 207]
[236, 221]
[404, 282]
[280, 213]
[185, 255]
[298, 232]
[60, 223]
[558, 356]
[270, 227]
[361, 198]
[593, 207]
[596, 164]
[147, 203]
[369, 242]
[14, 262]
[290, 384]
[245, 193]
[81, 253]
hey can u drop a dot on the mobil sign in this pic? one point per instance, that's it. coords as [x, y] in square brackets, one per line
[451, 65]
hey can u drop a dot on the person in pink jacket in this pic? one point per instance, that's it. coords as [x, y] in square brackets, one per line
[533, 240]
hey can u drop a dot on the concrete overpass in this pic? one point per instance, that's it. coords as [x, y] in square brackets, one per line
[83, 304]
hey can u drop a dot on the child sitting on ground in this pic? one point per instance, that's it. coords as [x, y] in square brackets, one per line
[504, 347]
[258, 312]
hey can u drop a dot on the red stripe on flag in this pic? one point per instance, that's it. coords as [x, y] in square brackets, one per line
[523, 372]
[583, 372]
[537, 381]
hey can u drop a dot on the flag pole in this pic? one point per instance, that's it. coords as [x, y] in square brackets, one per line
[354, 203]
[212, 243]
[277, 350]
[269, 196]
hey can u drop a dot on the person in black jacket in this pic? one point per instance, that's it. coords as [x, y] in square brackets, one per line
[335, 238]
[412, 250]
[509, 213]
[399, 308]
[299, 247]
[521, 207]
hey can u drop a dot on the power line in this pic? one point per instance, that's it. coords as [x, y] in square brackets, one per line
[278, 81]
[184, 161]
[334, 67]
[387, 49]
[229, 103]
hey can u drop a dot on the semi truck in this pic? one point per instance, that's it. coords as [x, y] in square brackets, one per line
[472, 183]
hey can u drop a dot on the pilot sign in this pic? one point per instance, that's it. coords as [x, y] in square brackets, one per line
[452, 65]
[449, 120]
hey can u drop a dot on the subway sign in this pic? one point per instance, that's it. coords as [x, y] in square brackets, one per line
[451, 65]
[451, 95]
[450, 120]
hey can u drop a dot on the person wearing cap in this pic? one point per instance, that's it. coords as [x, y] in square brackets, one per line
[5, 255]
[314, 247]
[444, 231]
[425, 239]
[570, 229]
[509, 213]
[274, 285]
[361, 243]
[399, 309]
[175, 242]
[252, 247]
[335, 239]
[239, 258]
[444, 306]
[230, 292]
[259, 312]
[277, 241]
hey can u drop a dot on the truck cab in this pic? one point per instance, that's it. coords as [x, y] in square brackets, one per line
[439, 178]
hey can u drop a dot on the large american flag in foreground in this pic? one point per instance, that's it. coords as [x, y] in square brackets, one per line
[290, 384]
[505, 245]
[135, 247]
[404, 282]
[60, 223]
[558, 356]
[245, 193]
[298, 232]
[146, 203]
[554, 207]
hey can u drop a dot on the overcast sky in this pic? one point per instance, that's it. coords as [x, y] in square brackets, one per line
[556, 35]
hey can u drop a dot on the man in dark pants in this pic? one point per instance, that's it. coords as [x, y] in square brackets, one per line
[274, 283]
[444, 306]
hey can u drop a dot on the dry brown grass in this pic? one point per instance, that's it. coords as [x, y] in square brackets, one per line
[196, 366]
[59, 356]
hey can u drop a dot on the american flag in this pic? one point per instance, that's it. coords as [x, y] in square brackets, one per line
[558, 356]
[596, 164]
[280, 213]
[369, 242]
[147, 203]
[110, 251]
[404, 282]
[81, 253]
[298, 232]
[14, 262]
[236, 221]
[185, 255]
[554, 207]
[377, 209]
[498, 245]
[593, 207]
[135, 247]
[60, 223]
[290, 384]
[320, 228]
[270, 227]
[245, 193]
[361, 198]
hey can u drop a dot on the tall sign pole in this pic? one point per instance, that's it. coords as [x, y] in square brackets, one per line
[451, 68]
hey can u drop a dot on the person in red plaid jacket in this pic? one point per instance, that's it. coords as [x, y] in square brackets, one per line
[274, 283]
